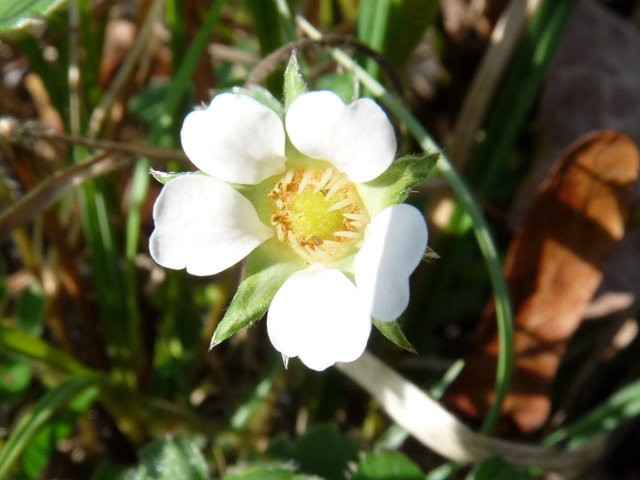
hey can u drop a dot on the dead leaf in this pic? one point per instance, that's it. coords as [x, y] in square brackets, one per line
[593, 83]
[553, 267]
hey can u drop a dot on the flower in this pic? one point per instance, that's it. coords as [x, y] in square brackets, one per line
[303, 190]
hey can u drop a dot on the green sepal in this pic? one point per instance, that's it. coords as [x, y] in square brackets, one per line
[294, 84]
[166, 177]
[394, 185]
[261, 94]
[263, 278]
[393, 332]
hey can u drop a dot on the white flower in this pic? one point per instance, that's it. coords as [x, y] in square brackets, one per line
[353, 266]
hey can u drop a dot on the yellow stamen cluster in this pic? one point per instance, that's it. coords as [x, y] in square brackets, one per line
[318, 213]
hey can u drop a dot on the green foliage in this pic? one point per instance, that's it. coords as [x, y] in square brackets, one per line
[610, 414]
[496, 468]
[518, 94]
[155, 325]
[262, 280]
[394, 185]
[387, 466]
[15, 370]
[321, 451]
[267, 473]
[179, 458]
[31, 423]
[407, 23]
[17, 14]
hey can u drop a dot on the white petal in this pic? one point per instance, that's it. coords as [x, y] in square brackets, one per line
[395, 241]
[316, 316]
[203, 224]
[236, 139]
[357, 138]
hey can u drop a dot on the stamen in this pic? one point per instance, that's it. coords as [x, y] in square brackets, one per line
[306, 178]
[359, 217]
[287, 177]
[328, 173]
[294, 244]
[337, 186]
[340, 204]
[318, 213]
[332, 244]
[348, 234]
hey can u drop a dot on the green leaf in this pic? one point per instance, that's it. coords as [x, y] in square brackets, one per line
[294, 84]
[323, 451]
[38, 453]
[387, 466]
[31, 423]
[15, 375]
[495, 468]
[16, 14]
[406, 24]
[394, 185]
[266, 271]
[18, 341]
[609, 415]
[31, 305]
[393, 332]
[267, 473]
[179, 458]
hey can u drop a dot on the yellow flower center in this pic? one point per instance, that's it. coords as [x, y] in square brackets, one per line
[318, 213]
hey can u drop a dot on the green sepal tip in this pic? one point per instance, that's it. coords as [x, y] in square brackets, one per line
[262, 280]
[394, 333]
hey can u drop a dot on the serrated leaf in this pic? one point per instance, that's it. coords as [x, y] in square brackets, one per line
[394, 185]
[179, 458]
[387, 466]
[495, 468]
[294, 84]
[265, 274]
[16, 14]
[393, 332]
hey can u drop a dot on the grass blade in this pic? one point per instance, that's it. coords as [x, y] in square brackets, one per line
[45, 408]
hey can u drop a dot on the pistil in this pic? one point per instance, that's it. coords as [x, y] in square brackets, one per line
[318, 213]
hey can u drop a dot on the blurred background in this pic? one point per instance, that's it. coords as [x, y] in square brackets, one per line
[105, 371]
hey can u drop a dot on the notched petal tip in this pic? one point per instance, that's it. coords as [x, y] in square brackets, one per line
[236, 139]
[317, 316]
[358, 138]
